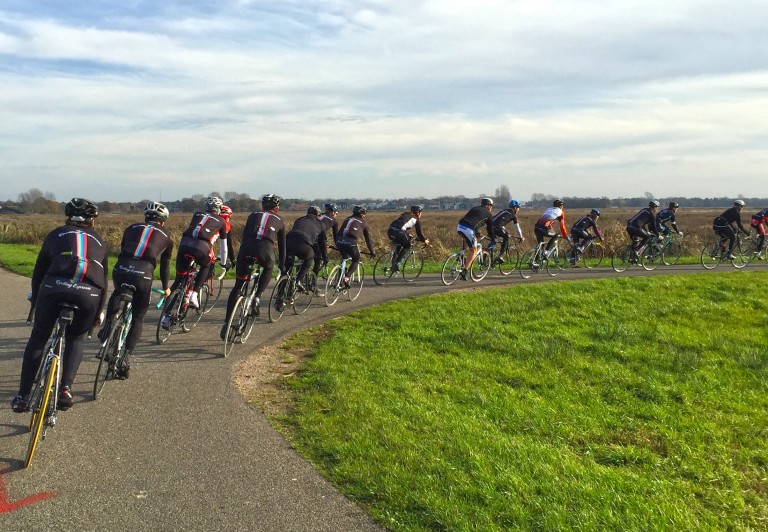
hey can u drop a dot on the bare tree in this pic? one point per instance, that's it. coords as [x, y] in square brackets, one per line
[503, 195]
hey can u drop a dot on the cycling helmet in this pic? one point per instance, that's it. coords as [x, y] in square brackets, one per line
[653, 203]
[359, 209]
[314, 209]
[486, 201]
[81, 210]
[415, 209]
[513, 203]
[226, 211]
[558, 203]
[331, 207]
[213, 204]
[156, 211]
[673, 205]
[270, 201]
[594, 212]
[739, 203]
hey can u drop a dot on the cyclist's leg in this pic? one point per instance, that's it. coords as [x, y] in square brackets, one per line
[469, 237]
[46, 314]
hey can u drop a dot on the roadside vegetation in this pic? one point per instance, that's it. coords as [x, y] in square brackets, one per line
[618, 403]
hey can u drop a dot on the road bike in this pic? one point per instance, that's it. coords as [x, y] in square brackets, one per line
[291, 292]
[455, 266]
[245, 310]
[215, 284]
[539, 258]
[177, 315]
[752, 250]
[411, 264]
[671, 248]
[335, 285]
[649, 256]
[43, 400]
[507, 261]
[715, 253]
[589, 255]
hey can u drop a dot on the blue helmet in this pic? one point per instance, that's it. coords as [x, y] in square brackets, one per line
[594, 212]
[514, 203]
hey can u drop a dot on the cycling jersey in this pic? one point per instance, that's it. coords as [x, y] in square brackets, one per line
[582, 226]
[330, 224]
[351, 230]
[145, 242]
[644, 220]
[665, 218]
[504, 217]
[475, 216]
[728, 218]
[407, 221]
[760, 218]
[548, 219]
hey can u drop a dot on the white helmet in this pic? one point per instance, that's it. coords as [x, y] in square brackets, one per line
[739, 203]
[213, 204]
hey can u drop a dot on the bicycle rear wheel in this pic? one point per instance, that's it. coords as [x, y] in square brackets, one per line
[107, 358]
[622, 258]
[171, 310]
[742, 254]
[234, 326]
[304, 298]
[412, 265]
[382, 269]
[279, 300]
[333, 287]
[528, 265]
[593, 256]
[650, 258]
[40, 411]
[194, 315]
[356, 283]
[452, 268]
[711, 255]
[555, 263]
[509, 260]
[480, 267]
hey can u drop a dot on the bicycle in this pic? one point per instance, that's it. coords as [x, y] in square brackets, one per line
[215, 284]
[590, 254]
[538, 258]
[648, 256]
[671, 248]
[411, 264]
[288, 292]
[176, 307]
[507, 262]
[454, 266]
[43, 400]
[335, 285]
[245, 311]
[752, 250]
[715, 253]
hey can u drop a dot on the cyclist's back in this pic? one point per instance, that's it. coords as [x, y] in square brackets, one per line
[307, 234]
[351, 230]
[544, 226]
[643, 224]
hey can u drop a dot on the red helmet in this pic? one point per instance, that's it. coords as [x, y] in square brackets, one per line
[226, 211]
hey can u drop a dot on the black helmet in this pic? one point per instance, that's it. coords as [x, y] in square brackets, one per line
[156, 211]
[415, 209]
[653, 203]
[673, 205]
[314, 209]
[331, 207]
[359, 209]
[486, 201]
[558, 203]
[270, 201]
[81, 210]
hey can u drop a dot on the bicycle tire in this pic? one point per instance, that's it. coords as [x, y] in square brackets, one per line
[356, 281]
[170, 310]
[480, 266]
[711, 255]
[452, 268]
[332, 287]
[107, 361]
[40, 412]
[622, 258]
[554, 263]
[215, 286]
[234, 327]
[412, 265]
[650, 258]
[509, 261]
[278, 301]
[671, 254]
[382, 269]
[303, 299]
[741, 254]
[527, 264]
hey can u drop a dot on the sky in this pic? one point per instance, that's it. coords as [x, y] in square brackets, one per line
[130, 100]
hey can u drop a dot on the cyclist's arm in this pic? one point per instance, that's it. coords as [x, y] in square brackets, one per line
[281, 248]
[563, 230]
[165, 265]
[367, 235]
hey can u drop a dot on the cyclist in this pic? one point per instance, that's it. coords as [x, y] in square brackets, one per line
[263, 230]
[666, 218]
[346, 239]
[70, 268]
[197, 242]
[723, 225]
[580, 234]
[467, 229]
[499, 221]
[643, 225]
[758, 222]
[398, 233]
[226, 213]
[544, 225]
[328, 219]
[307, 234]
[141, 246]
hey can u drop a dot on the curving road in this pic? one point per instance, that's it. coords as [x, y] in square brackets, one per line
[176, 447]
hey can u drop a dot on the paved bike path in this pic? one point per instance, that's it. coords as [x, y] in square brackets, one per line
[176, 447]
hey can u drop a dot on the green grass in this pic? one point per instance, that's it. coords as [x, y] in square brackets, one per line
[621, 404]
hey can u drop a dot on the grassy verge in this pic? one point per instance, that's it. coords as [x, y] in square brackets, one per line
[623, 404]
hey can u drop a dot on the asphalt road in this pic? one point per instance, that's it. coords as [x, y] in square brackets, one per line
[176, 447]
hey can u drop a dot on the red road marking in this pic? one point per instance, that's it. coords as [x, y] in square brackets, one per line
[7, 507]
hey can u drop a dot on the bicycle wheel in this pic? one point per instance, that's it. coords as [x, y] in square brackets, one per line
[650, 258]
[382, 269]
[356, 283]
[711, 255]
[107, 360]
[509, 260]
[528, 264]
[412, 265]
[41, 410]
[452, 268]
[279, 299]
[171, 311]
[592, 256]
[194, 315]
[622, 258]
[215, 286]
[304, 298]
[234, 326]
[480, 267]
[671, 254]
[554, 263]
[749, 248]
[742, 253]
[333, 286]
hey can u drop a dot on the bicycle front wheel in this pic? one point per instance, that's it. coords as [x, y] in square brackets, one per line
[412, 265]
[235, 325]
[279, 300]
[711, 255]
[742, 253]
[168, 322]
[382, 269]
[622, 258]
[650, 258]
[480, 267]
[304, 298]
[509, 260]
[555, 263]
[333, 286]
[356, 283]
[528, 264]
[41, 410]
[592, 256]
[107, 358]
[452, 268]
[215, 286]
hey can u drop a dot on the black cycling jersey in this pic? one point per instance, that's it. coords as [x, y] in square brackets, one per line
[584, 224]
[330, 224]
[475, 216]
[310, 229]
[503, 217]
[351, 230]
[665, 217]
[146, 242]
[406, 221]
[729, 217]
[206, 227]
[645, 220]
